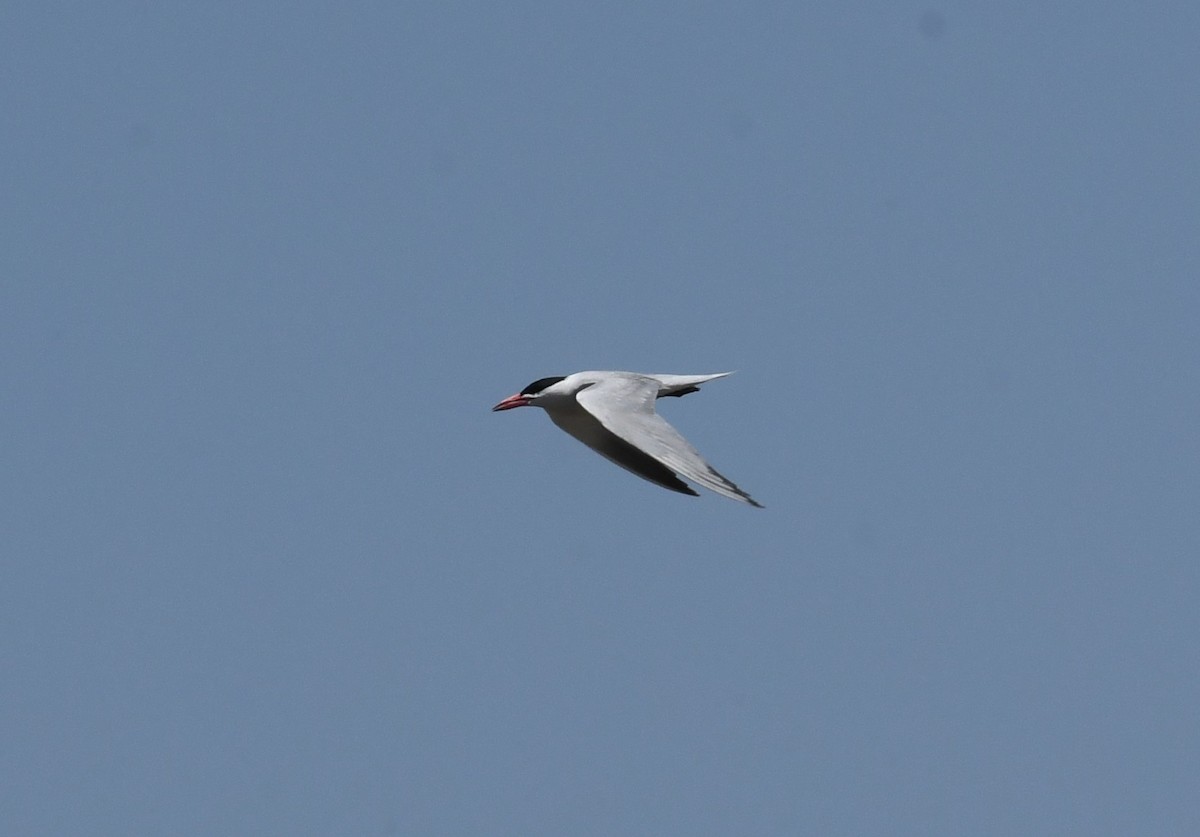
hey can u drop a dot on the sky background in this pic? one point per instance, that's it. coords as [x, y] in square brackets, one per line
[270, 565]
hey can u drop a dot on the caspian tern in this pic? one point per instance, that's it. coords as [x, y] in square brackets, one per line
[613, 414]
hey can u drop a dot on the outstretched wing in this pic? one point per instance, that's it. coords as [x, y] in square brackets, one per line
[583, 426]
[624, 406]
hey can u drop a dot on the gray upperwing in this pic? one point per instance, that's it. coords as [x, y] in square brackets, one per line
[625, 407]
[584, 426]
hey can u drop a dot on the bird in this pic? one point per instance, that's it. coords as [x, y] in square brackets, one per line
[613, 414]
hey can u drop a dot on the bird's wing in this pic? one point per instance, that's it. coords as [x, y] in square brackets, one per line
[683, 384]
[586, 428]
[624, 406]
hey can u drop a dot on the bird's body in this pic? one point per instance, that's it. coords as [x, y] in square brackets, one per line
[613, 414]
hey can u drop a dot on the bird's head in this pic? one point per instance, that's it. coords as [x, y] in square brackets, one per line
[541, 388]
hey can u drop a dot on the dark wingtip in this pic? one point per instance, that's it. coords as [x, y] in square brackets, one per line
[679, 393]
[733, 487]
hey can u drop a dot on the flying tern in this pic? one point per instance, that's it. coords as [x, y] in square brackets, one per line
[613, 414]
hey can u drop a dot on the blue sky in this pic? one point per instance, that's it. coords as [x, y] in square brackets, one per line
[272, 566]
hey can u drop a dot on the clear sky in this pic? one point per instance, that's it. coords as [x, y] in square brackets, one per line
[271, 567]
